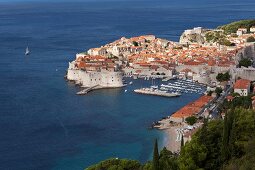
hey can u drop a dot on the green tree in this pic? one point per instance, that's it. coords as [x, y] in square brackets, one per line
[243, 127]
[167, 161]
[223, 77]
[225, 42]
[182, 142]
[192, 155]
[203, 151]
[191, 120]
[147, 166]
[235, 94]
[250, 39]
[209, 93]
[242, 101]
[245, 62]
[135, 43]
[155, 156]
[233, 27]
[246, 161]
[219, 77]
[116, 164]
[218, 91]
[225, 138]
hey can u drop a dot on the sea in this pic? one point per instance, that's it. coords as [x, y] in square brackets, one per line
[44, 125]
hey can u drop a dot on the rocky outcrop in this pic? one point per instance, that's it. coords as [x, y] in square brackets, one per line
[191, 38]
[246, 52]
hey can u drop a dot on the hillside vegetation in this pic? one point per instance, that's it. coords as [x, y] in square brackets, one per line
[233, 27]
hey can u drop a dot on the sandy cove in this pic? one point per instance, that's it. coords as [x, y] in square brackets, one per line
[172, 145]
[171, 135]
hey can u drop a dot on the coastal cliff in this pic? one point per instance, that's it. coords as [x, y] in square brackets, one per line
[191, 38]
[195, 35]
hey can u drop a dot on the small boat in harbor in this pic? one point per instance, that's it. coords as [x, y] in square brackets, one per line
[154, 87]
[166, 79]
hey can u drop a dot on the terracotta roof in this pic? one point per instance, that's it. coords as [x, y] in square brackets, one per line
[242, 84]
[193, 107]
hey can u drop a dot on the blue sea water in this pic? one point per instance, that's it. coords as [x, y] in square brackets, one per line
[43, 124]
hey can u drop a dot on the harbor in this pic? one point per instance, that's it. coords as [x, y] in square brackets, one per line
[173, 88]
[183, 86]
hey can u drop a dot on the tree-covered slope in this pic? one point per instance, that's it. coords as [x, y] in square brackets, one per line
[233, 27]
[116, 164]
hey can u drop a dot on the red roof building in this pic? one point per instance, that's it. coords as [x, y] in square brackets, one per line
[242, 87]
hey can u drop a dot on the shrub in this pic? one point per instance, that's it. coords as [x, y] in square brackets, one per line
[218, 91]
[191, 120]
[245, 62]
[116, 164]
[135, 43]
[223, 77]
[250, 39]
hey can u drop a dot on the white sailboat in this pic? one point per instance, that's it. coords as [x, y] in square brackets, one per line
[27, 51]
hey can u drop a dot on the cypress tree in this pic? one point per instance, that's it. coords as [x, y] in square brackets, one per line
[182, 142]
[228, 123]
[203, 133]
[233, 135]
[224, 149]
[155, 165]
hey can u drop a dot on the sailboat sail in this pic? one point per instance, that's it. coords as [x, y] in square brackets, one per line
[27, 51]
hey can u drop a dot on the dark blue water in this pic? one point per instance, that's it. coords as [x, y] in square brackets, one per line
[43, 124]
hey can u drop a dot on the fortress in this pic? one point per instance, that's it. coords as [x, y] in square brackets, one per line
[90, 71]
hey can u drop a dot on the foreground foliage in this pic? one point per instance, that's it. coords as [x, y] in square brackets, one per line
[203, 150]
[116, 164]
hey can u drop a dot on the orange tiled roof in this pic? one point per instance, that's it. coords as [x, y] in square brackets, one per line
[242, 84]
[193, 107]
